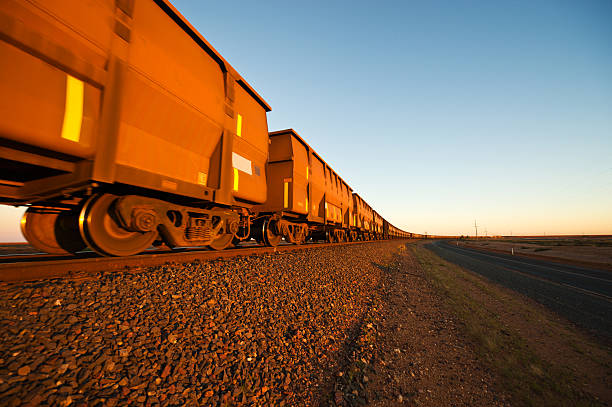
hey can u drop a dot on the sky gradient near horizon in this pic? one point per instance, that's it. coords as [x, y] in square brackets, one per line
[438, 113]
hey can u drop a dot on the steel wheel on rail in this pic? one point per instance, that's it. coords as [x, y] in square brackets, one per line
[52, 231]
[269, 234]
[102, 232]
[221, 242]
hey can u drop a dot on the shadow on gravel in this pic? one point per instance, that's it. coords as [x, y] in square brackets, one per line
[332, 383]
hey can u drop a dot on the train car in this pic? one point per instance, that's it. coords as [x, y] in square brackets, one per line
[364, 219]
[369, 221]
[306, 198]
[394, 233]
[358, 230]
[377, 225]
[122, 126]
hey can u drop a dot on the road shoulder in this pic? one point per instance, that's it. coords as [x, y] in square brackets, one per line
[542, 358]
[410, 350]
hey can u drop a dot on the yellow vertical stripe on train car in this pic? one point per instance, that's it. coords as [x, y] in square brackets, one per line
[235, 179]
[286, 195]
[307, 173]
[73, 112]
[239, 126]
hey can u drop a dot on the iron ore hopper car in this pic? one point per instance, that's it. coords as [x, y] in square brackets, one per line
[306, 198]
[121, 127]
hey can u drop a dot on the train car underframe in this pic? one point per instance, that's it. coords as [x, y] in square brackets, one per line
[128, 221]
[271, 228]
[115, 220]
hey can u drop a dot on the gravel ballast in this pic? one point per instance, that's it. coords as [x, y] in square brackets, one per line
[293, 328]
[257, 329]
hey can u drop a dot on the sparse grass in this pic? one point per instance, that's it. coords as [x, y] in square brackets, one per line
[527, 377]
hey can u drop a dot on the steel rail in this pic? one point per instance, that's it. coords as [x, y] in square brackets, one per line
[87, 266]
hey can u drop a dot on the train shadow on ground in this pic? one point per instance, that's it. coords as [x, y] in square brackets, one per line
[332, 381]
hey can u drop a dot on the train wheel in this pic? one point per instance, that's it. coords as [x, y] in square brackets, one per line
[269, 235]
[103, 234]
[55, 232]
[221, 242]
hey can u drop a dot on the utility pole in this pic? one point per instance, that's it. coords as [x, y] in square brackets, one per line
[476, 227]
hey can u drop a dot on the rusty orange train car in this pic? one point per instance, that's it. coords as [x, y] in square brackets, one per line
[121, 127]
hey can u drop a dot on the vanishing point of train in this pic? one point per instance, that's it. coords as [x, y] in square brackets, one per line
[121, 127]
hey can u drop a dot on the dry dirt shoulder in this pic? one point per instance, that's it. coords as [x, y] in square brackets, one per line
[410, 349]
[437, 335]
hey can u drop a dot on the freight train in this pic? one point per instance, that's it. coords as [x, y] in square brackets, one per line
[121, 127]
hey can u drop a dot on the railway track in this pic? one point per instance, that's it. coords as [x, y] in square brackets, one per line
[32, 267]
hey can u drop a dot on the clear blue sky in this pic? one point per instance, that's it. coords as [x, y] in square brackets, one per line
[440, 112]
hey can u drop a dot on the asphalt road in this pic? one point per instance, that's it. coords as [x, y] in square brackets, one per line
[584, 296]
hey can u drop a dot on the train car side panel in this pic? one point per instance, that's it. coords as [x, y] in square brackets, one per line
[53, 74]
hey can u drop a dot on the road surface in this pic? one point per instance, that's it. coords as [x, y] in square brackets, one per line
[582, 295]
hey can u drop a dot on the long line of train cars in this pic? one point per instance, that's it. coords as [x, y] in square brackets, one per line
[121, 127]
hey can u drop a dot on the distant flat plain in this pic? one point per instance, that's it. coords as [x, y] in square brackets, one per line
[590, 251]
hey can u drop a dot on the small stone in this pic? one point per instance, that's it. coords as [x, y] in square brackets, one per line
[400, 399]
[172, 338]
[65, 389]
[123, 382]
[124, 352]
[24, 370]
[166, 371]
[365, 379]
